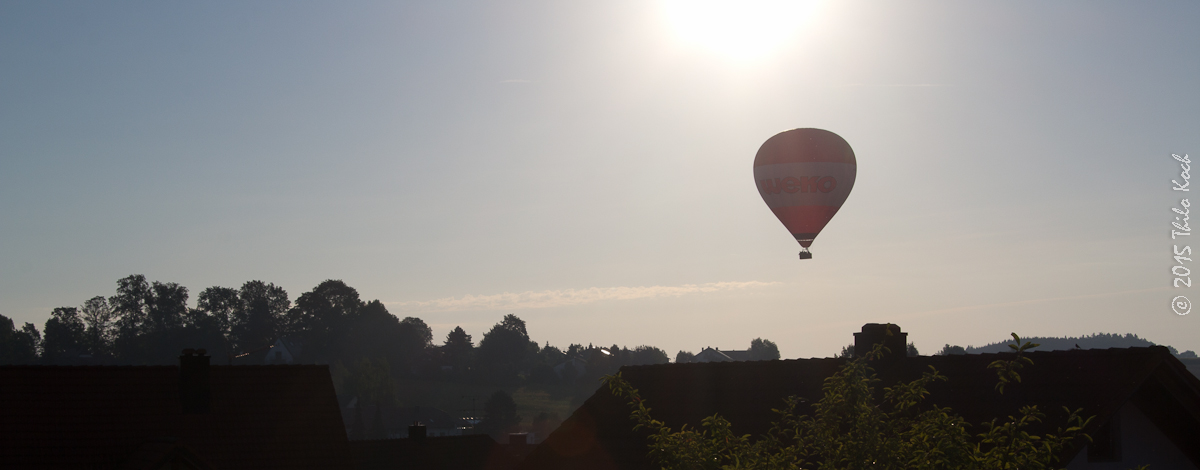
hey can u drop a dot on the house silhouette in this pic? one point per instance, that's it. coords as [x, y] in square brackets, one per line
[192, 416]
[1145, 402]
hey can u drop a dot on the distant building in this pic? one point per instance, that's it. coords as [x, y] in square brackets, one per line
[575, 363]
[717, 355]
[1145, 402]
[284, 351]
[192, 416]
[398, 419]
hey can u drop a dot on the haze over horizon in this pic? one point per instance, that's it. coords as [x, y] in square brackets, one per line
[587, 165]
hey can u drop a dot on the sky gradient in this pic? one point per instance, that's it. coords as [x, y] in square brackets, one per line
[587, 165]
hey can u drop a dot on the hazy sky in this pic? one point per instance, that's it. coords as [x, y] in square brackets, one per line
[587, 165]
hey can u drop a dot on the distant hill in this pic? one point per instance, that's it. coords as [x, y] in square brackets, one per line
[1095, 341]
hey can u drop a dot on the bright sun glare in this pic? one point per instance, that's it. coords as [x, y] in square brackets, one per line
[740, 29]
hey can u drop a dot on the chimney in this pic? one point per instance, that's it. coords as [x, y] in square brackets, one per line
[193, 381]
[416, 431]
[876, 333]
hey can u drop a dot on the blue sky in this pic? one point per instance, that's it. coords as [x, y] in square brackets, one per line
[588, 167]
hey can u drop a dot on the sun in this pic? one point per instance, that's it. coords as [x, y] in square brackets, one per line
[740, 29]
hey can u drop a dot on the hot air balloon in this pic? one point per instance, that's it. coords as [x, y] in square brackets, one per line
[804, 176]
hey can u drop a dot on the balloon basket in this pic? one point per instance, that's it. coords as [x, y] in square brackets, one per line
[805, 254]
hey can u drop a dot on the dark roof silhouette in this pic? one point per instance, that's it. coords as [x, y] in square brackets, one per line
[107, 417]
[472, 452]
[164, 453]
[599, 435]
[718, 355]
[1192, 364]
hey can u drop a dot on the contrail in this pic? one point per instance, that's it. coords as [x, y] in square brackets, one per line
[566, 297]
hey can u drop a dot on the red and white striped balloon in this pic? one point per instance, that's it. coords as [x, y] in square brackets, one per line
[804, 176]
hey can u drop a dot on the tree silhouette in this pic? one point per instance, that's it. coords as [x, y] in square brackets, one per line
[257, 318]
[18, 346]
[167, 306]
[458, 350]
[504, 349]
[951, 350]
[413, 337]
[763, 350]
[371, 382]
[322, 317]
[499, 415]
[64, 335]
[642, 355]
[99, 317]
[220, 305]
[130, 307]
[375, 333]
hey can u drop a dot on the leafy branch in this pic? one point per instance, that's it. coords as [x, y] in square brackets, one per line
[1006, 370]
[849, 429]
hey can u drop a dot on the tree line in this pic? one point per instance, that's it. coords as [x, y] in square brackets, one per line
[150, 322]
[370, 351]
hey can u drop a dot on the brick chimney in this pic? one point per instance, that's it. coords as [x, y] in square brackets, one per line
[193, 381]
[876, 333]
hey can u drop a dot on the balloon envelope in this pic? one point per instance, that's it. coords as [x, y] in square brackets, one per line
[804, 176]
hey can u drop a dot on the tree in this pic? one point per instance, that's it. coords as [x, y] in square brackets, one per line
[458, 349]
[65, 338]
[850, 428]
[371, 382]
[166, 306]
[684, 357]
[248, 318]
[163, 334]
[503, 350]
[499, 415]
[321, 318]
[30, 340]
[130, 308]
[763, 350]
[99, 317]
[415, 339]
[257, 317]
[551, 355]
[151, 322]
[419, 331]
[912, 350]
[949, 350]
[221, 304]
[18, 346]
[375, 333]
[569, 373]
[642, 355]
